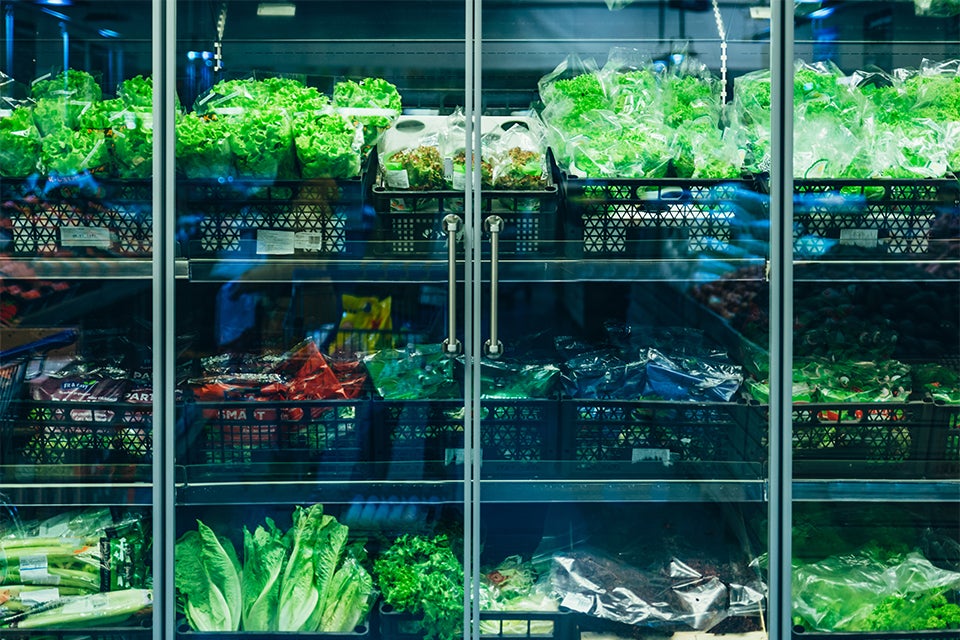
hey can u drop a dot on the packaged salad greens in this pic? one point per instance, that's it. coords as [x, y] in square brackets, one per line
[19, 144]
[373, 103]
[67, 152]
[72, 83]
[413, 162]
[261, 141]
[517, 159]
[131, 135]
[327, 146]
[203, 147]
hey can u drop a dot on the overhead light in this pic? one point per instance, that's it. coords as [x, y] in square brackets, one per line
[277, 9]
[108, 33]
[820, 14]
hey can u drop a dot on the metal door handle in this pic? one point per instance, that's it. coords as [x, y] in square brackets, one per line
[493, 348]
[451, 225]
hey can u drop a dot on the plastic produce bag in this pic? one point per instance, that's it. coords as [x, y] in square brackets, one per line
[514, 585]
[453, 143]
[132, 139]
[513, 380]
[372, 103]
[842, 592]
[203, 147]
[594, 584]
[327, 146]
[937, 8]
[19, 144]
[415, 165]
[419, 373]
[703, 378]
[604, 374]
[518, 159]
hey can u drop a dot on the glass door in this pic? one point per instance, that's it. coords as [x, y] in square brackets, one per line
[876, 302]
[77, 326]
[623, 441]
[321, 319]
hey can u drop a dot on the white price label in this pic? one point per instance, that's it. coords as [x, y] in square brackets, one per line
[397, 179]
[308, 241]
[577, 602]
[453, 456]
[95, 237]
[860, 237]
[39, 596]
[275, 243]
[651, 455]
[33, 570]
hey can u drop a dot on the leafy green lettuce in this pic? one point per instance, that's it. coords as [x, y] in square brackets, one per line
[67, 152]
[203, 147]
[19, 144]
[207, 578]
[72, 83]
[374, 103]
[326, 147]
[262, 143]
[264, 556]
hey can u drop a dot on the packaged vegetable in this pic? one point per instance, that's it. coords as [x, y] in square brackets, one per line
[261, 141]
[327, 146]
[72, 83]
[414, 165]
[203, 147]
[19, 144]
[365, 324]
[416, 373]
[373, 103]
[518, 159]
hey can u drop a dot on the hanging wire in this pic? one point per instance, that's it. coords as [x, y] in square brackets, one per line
[722, 32]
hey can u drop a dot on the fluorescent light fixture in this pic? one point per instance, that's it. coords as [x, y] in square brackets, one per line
[108, 33]
[277, 9]
[820, 14]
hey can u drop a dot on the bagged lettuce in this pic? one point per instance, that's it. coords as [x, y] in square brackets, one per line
[373, 103]
[132, 138]
[72, 83]
[53, 114]
[67, 152]
[327, 146]
[203, 147]
[19, 144]
[261, 141]
[517, 159]
[415, 165]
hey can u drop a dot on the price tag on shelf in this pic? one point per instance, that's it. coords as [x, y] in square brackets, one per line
[308, 241]
[93, 237]
[651, 455]
[275, 243]
[577, 602]
[860, 237]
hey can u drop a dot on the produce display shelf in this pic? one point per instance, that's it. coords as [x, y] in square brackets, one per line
[184, 631]
[953, 634]
[79, 216]
[654, 217]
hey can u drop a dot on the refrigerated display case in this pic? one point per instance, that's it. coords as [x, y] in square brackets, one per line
[629, 319]
[76, 336]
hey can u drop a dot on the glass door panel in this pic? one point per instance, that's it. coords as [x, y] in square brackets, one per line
[623, 429]
[876, 301]
[76, 327]
[321, 313]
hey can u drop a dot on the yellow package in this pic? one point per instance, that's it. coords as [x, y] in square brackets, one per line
[365, 325]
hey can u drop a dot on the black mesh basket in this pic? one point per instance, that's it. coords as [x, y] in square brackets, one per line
[650, 218]
[80, 215]
[623, 438]
[425, 438]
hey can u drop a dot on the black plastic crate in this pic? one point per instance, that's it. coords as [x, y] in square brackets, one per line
[410, 223]
[426, 437]
[623, 438]
[650, 218]
[892, 216]
[546, 625]
[80, 215]
[238, 432]
[316, 217]
[80, 433]
[944, 452]
[866, 439]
